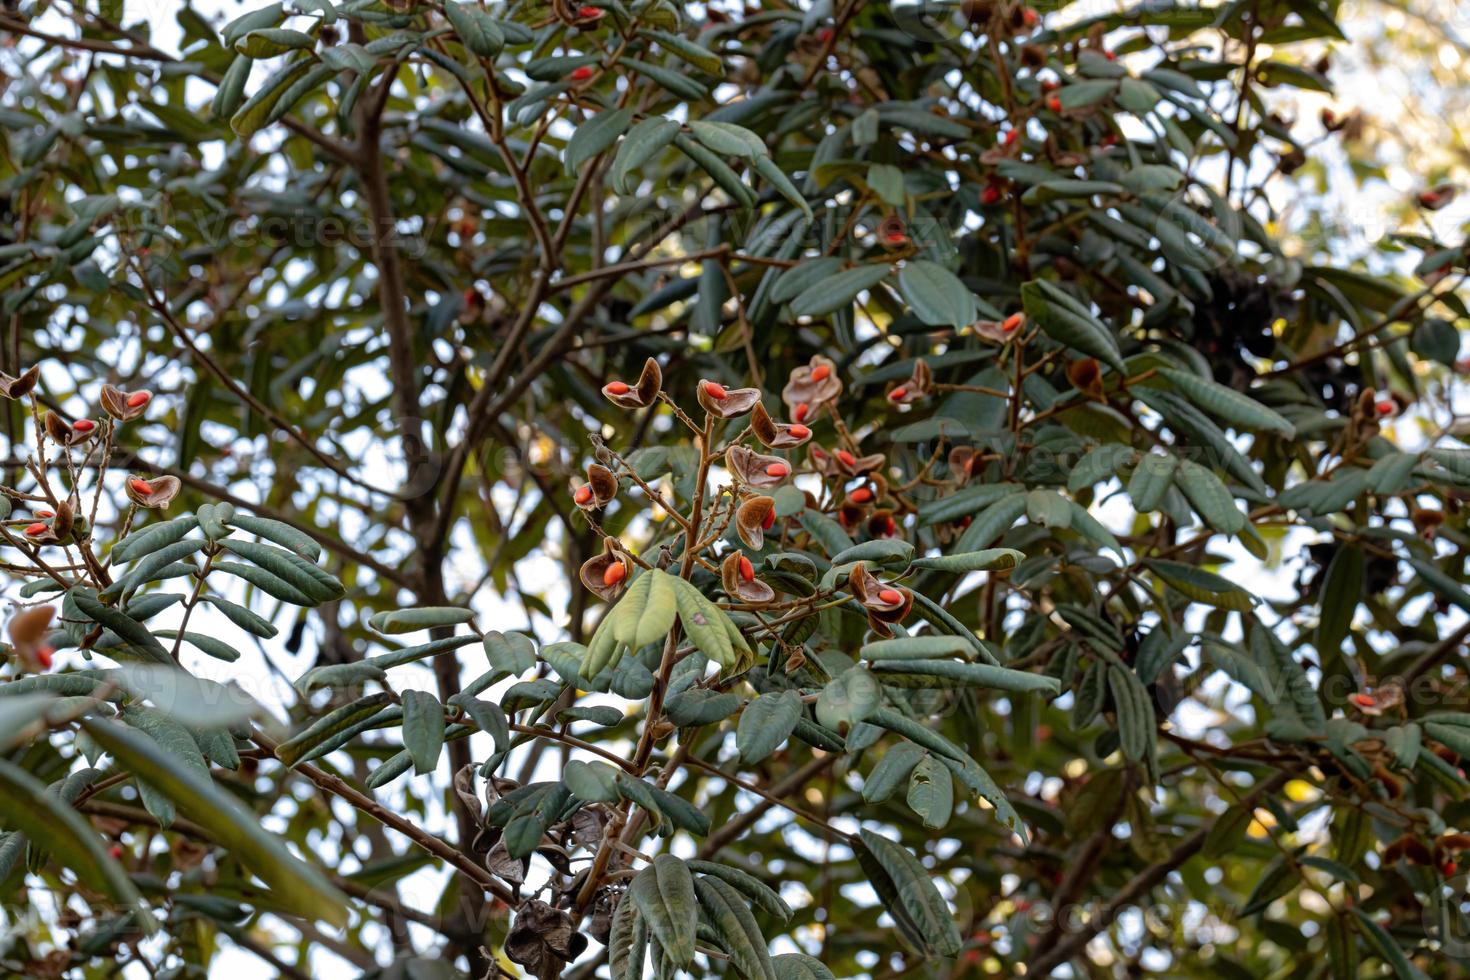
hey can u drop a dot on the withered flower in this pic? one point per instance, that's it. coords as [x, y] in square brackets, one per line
[21, 386]
[726, 403]
[604, 575]
[599, 490]
[69, 435]
[756, 470]
[754, 518]
[1086, 376]
[1001, 331]
[543, 939]
[124, 405]
[918, 386]
[884, 603]
[28, 631]
[776, 435]
[813, 386]
[641, 395]
[737, 574]
[157, 493]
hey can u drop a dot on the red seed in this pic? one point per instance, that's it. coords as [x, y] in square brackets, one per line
[799, 413]
[777, 470]
[115, 851]
[583, 496]
[799, 431]
[581, 74]
[1011, 136]
[617, 388]
[824, 35]
[35, 529]
[897, 237]
[991, 195]
[861, 495]
[821, 372]
[769, 520]
[889, 528]
[817, 453]
[1030, 17]
[586, 13]
[891, 596]
[43, 657]
[45, 514]
[1050, 85]
[1364, 700]
[897, 394]
[848, 459]
[1448, 869]
[1385, 407]
[139, 398]
[141, 487]
[1013, 322]
[747, 570]
[715, 391]
[83, 425]
[1054, 104]
[615, 573]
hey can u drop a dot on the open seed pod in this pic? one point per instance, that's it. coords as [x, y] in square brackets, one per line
[1438, 197]
[69, 435]
[157, 493]
[850, 465]
[882, 524]
[641, 395]
[606, 575]
[1000, 331]
[917, 387]
[884, 603]
[21, 386]
[737, 574]
[776, 435]
[726, 403]
[124, 405]
[754, 518]
[28, 631]
[599, 490]
[756, 470]
[1085, 373]
[814, 385]
[58, 531]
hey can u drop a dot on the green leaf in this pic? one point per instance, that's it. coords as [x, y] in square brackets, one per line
[27, 808]
[989, 559]
[320, 585]
[992, 522]
[936, 295]
[746, 884]
[1387, 947]
[268, 42]
[931, 792]
[697, 55]
[643, 142]
[915, 648]
[296, 886]
[251, 116]
[147, 540]
[728, 139]
[806, 275]
[646, 611]
[1210, 497]
[192, 700]
[1228, 404]
[337, 720]
[479, 32]
[891, 771]
[1341, 590]
[513, 653]
[935, 673]
[664, 892]
[799, 966]
[705, 623]
[139, 639]
[1070, 323]
[727, 912]
[765, 723]
[281, 533]
[423, 618]
[1151, 480]
[595, 782]
[777, 178]
[848, 699]
[839, 291]
[917, 895]
[594, 136]
[965, 503]
[423, 729]
[1201, 585]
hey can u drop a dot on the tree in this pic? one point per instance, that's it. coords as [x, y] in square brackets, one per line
[857, 490]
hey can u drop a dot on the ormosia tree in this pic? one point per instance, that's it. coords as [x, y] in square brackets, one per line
[771, 491]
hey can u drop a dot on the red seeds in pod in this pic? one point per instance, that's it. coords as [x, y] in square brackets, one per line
[848, 459]
[799, 431]
[889, 528]
[43, 657]
[777, 470]
[747, 570]
[824, 35]
[587, 13]
[581, 74]
[1030, 17]
[139, 398]
[618, 388]
[583, 496]
[821, 372]
[140, 487]
[1050, 85]
[36, 529]
[891, 596]
[861, 495]
[45, 514]
[715, 391]
[1363, 700]
[1013, 322]
[769, 521]
[817, 453]
[896, 237]
[1385, 407]
[615, 573]
[1054, 104]
[1448, 869]
[1110, 55]
[897, 393]
[83, 425]
[991, 195]
[800, 411]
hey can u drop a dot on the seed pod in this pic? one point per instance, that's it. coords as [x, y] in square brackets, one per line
[726, 403]
[21, 386]
[28, 632]
[753, 519]
[641, 395]
[776, 435]
[756, 470]
[123, 405]
[884, 603]
[737, 586]
[815, 385]
[161, 491]
[596, 572]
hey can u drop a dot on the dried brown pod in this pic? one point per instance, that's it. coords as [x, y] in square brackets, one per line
[1437, 197]
[884, 604]
[600, 489]
[917, 387]
[754, 518]
[21, 386]
[813, 385]
[1001, 331]
[776, 435]
[606, 575]
[124, 405]
[852, 465]
[756, 469]
[28, 631]
[641, 395]
[726, 403]
[1086, 376]
[737, 575]
[156, 493]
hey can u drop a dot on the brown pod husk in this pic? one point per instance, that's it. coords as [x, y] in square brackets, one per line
[594, 570]
[754, 469]
[868, 590]
[28, 630]
[850, 465]
[802, 388]
[737, 401]
[644, 393]
[1086, 376]
[163, 490]
[918, 387]
[21, 386]
[776, 435]
[114, 402]
[754, 591]
[750, 520]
